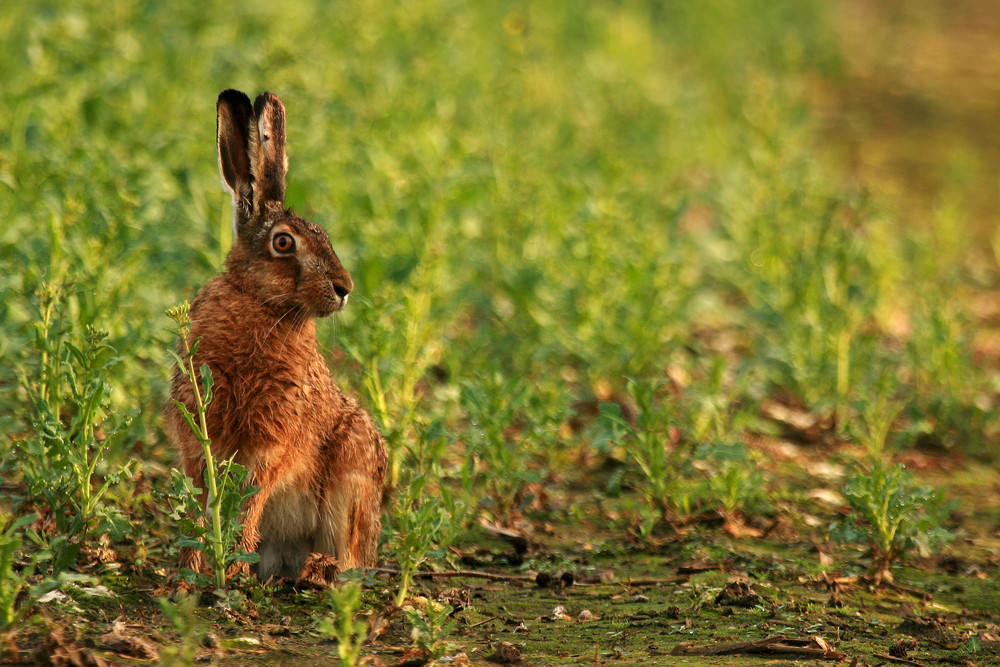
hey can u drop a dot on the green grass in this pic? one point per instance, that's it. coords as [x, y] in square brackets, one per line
[542, 206]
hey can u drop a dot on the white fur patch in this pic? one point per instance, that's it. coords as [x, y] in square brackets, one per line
[287, 528]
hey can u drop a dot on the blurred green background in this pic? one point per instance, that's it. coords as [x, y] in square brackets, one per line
[801, 193]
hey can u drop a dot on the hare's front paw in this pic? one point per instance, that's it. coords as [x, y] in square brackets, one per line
[319, 571]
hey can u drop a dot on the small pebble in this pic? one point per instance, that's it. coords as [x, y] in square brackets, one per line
[244, 642]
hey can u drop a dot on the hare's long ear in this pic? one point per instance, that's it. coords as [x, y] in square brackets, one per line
[235, 133]
[270, 162]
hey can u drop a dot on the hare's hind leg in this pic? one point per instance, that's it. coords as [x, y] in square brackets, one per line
[349, 521]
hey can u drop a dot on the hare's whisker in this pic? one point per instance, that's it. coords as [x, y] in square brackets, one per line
[277, 296]
[278, 321]
[298, 319]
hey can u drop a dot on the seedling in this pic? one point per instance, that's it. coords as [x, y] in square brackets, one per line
[349, 633]
[181, 614]
[647, 444]
[733, 481]
[892, 515]
[431, 628]
[424, 527]
[500, 442]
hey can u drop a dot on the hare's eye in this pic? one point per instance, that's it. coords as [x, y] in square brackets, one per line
[283, 243]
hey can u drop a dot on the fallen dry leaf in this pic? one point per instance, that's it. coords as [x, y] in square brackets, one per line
[505, 653]
[827, 497]
[737, 528]
[59, 651]
[738, 593]
[798, 424]
[121, 641]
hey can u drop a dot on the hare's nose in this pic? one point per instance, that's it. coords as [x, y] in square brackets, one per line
[341, 290]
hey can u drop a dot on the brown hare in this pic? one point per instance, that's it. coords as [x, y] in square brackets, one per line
[315, 454]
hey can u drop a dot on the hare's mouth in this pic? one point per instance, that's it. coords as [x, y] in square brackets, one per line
[331, 305]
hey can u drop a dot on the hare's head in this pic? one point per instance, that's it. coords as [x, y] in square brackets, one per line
[285, 261]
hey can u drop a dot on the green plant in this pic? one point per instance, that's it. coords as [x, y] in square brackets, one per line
[73, 428]
[972, 645]
[12, 582]
[182, 616]
[806, 264]
[423, 528]
[16, 598]
[732, 480]
[225, 481]
[428, 448]
[889, 511]
[197, 524]
[501, 442]
[619, 327]
[396, 339]
[949, 405]
[877, 410]
[892, 515]
[431, 629]
[646, 441]
[349, 633]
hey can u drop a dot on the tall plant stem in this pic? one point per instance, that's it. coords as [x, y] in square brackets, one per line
[214, 500]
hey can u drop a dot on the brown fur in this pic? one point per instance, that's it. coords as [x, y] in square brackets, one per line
[317, 456]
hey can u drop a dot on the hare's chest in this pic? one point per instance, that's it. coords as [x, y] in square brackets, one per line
[259, 418]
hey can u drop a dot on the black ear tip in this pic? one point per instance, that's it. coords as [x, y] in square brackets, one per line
[235, 98]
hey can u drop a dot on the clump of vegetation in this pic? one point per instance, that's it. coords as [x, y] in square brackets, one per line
[189, 628]
[431, 627]
[678, 473]
[17, 596]
[62, 461]
[733, 482]
[11, 581]
[397, 339]
[893, 515]
[660, 457]
[423, 527]
[349, 633]
[501, 442]
[890, 512]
